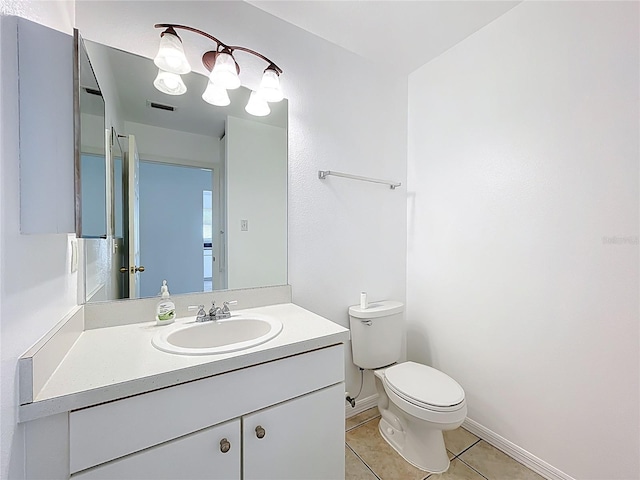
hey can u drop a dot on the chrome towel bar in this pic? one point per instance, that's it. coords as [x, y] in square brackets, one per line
[322, 174]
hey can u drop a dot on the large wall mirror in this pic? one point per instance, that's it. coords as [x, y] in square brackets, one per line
[92, 150]
[200, 189]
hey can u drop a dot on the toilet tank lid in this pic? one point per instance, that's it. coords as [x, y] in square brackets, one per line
[377, 309]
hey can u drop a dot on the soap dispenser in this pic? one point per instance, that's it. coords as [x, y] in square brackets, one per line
[166, 309]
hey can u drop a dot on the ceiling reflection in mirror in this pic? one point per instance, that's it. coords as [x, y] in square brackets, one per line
[211, 189]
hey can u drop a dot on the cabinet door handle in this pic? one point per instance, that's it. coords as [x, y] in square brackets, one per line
[260, 432]
[225, 445]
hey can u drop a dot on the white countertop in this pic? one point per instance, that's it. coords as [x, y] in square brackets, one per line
[106, 364]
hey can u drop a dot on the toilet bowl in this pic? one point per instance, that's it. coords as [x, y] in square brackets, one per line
[416, 402]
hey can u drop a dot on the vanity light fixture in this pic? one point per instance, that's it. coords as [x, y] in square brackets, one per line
[257, 105]
[216, 95]
[169, 83]
[224, 71]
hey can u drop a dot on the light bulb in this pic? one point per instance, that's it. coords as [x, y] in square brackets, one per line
[169, 83]
[216, 95]
[171, 57]
[173, 63]
[225, 72]
[257, 105]
[270, 86]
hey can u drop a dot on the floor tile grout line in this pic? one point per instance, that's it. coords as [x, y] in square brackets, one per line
[365, 463]
[451, 460]
[504, 453]
[362, 423]
[474, 469]
[468, 448]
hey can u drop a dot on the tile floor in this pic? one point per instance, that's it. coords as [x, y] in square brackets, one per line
[369, 457]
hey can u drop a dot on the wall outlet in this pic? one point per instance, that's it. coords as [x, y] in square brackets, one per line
[244, 225]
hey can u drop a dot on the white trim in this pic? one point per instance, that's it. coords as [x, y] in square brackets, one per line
[361, 406]
[514, 451]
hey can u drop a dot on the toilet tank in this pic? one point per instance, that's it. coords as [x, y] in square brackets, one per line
[376, 333]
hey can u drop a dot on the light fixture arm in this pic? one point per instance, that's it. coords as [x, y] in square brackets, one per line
[231, 48]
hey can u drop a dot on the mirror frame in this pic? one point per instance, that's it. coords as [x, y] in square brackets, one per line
[77, 43]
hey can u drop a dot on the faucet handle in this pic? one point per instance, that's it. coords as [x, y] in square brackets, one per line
[201, 312]
[225, 305]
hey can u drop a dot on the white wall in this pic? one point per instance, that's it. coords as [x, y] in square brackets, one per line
[97, 276]
[172, 146]
[56, 14]
[113, 116]
[92, 134]
[523, 165]
[36, 286]
[93, 176]
[256, 186]
[345, 114]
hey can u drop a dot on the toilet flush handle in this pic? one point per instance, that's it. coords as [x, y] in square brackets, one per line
[368, 323]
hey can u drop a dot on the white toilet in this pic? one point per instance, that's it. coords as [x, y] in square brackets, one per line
[416, 402]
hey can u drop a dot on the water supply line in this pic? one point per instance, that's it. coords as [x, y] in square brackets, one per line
[352, 400]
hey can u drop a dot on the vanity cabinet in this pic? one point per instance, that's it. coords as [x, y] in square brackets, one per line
[282, 419]
[294, 440]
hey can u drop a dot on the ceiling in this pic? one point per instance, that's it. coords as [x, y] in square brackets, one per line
[400, 35]
[403, 35]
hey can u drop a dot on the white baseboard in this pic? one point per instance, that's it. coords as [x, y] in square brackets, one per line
[514, 451]
[361, 405]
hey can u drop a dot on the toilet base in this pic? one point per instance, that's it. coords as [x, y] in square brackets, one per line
[426, 451]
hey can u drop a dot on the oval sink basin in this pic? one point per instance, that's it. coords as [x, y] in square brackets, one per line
[219, 336]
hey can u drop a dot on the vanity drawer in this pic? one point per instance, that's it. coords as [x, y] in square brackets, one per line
[109, 431]
[200, 457]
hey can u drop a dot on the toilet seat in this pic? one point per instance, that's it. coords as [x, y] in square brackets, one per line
[424, 386]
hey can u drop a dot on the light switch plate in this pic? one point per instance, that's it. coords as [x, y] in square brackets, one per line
[244, 225]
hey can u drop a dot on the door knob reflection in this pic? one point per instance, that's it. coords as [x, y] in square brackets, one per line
[133, 269]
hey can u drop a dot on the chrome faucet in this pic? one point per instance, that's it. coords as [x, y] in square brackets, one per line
[215, 313]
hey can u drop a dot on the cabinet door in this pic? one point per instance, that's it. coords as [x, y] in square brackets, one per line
[303, 438]
[195, 456]
[47, 191]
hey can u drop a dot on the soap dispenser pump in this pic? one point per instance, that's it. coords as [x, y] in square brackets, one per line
[166, 309]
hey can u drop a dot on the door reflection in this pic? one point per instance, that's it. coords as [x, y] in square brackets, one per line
[176, 224]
